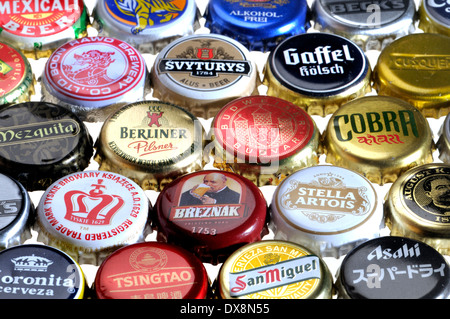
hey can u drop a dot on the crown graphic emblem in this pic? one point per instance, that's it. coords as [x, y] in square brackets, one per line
[31, 263]
[95, 208]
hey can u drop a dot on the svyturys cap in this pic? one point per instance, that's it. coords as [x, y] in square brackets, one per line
[259, 25]
[434, 17]
[211, 213]
[150, 25]
[152, 271]
[317, 71]
[379, 137]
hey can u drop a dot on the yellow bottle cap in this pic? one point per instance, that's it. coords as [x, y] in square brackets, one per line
[434, 17]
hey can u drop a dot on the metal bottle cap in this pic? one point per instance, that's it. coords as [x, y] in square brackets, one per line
[418, 206]
[264, 139]
[434, 17]
[94, 76]
[92, 213]
[393, 268]
[202, 73]
[318, 72]
[297, 273]
[443, 143]
[150, 26]
[151, 142]
[379, 137]
[259, 25]
[371, 25]
[415, 69]
[327, 209]
[151, 271]
[38, 27]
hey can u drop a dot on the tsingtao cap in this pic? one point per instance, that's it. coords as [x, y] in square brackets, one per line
[318, 72]
[152, 271]
[393, 267]
[443, 143]
[150, 26]
[259, 25]
[273, 269]
[92, 213]
[38, 27]
[151, 142]
[202, 73]
[94, 76]
[371, 25]
[264, 138]
[379, 137]
[211, 213]
[434, 17]
[416, 68]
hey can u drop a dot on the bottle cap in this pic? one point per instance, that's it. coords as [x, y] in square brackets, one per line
[94, 76]
[92, 213]
[371, 25]
[39, 27]
[148, 26]
[211, 213]
[393, 268]
[418, 206]
[434, 17]
[318, 72]
[152, 271]
[151, 142]
[379, 137]
[258, 25]
[415, 69]
[273, 269]
[41, 142]
[327, 209]
[264, 138]
[443, 143]
[202, 73]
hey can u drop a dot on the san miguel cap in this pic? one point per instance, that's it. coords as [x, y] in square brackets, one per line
[34, 271]
[372, 25]
[415, 68]
[211, 213]
[259, 25]
[264, 138]
[151, 142]
[274, 269]
[202, 73]
[38, 27]
[393, 267]
[41, 142]
[92, 213]
[318, 72]
[434, 17]
[94, 76]
[379, 137]
[152, 270]
[149, 26]
[418, 206]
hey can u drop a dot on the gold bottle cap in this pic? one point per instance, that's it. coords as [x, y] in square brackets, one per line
[416, 69]
[418, 206]
[272, 269]
[443, 143]
[434, 17]
[150, 142]
[379, 137]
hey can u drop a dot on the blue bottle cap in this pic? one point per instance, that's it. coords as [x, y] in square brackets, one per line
[258, 24]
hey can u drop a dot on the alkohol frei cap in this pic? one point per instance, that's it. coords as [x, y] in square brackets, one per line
[434, 16]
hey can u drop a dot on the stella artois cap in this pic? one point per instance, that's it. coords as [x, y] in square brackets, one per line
[38, 27]
[149, 26]
[94, 76]
[418, 205]
[264, 138]
[434, 17]
[258, 25]
[378, 136]
[152, 270]
[443, 143]
[230, 214]
[202, 73]
[274, 269]
[89, 214]
[41, 142]
[371, 25]
[393, 267]
[415, 68]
